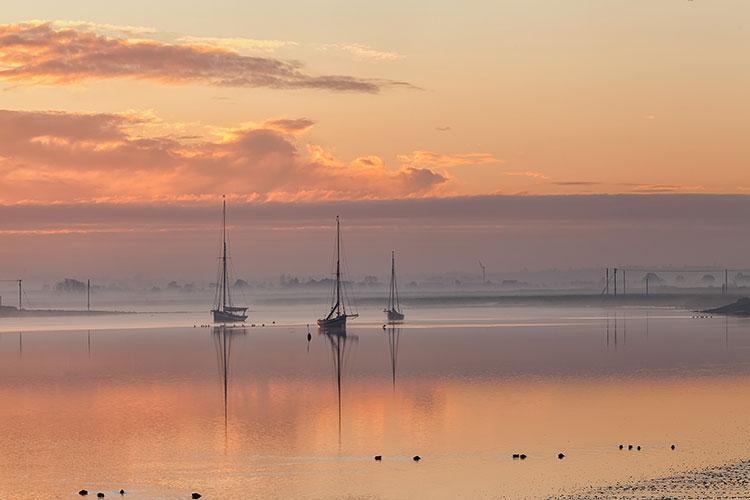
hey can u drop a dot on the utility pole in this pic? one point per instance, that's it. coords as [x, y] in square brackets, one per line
[606, 283]
[726, 281]
[615, 282]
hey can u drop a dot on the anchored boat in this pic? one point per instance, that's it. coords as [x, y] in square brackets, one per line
[393, 308]
[337, 316]
[224, 310]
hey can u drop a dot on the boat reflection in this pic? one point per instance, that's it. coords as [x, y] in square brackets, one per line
[339, 342]
[222, 339]
[394, 334]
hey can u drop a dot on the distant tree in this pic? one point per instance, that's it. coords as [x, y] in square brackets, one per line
[652, 278]
[239, 283]
[173, 285]
[708, 278]
[371, 280]
[70, 285]
[680, 279]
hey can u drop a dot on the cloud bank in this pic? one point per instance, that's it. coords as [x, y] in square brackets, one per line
[54, 157]
[48, 53]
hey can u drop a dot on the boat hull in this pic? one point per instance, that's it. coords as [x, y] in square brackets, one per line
[338, 322]
[228, 317]
[394, 315]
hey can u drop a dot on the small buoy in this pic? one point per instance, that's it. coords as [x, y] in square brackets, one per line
[673, 447]
[523, 457]
[621, 447]
[309, 336]
[195, 496]
[638, 448]
[83, 493]
[263, 324]
[122, 492]
[100, 495]
[378, 457]
[630, 446]
[516, 456]
[274, 322]
[416, 458]
[383, 327]
[560, 456]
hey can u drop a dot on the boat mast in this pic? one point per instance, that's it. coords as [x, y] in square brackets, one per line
[338, 268]
[394, 293]
[224, 255]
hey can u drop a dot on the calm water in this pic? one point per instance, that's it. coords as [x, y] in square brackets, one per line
[260, 412]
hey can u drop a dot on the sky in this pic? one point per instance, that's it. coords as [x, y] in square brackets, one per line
[110, 109]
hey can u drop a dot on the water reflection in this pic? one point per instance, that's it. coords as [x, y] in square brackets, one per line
[222, 338]
[393, 337]
[338, 340]
[616, 330]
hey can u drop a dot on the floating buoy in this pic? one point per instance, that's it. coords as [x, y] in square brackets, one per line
[673, 447]
[378, 457]
[100, 495]
[560, 456]
[516, 456]
[630, 446]
[83, 493]
[621, 447]
[122, 492]
[416, 458]
[523, 457]
[196, 496]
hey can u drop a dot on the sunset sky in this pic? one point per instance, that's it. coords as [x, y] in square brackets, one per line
[110, 107]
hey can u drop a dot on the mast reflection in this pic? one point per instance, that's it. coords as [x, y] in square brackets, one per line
[222, 339]
[394, 334]
[338, 340]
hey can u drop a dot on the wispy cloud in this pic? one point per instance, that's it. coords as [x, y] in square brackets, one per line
[45, 53]
[237, 43]
[56, 156]
[535, 175]
[443, 160]
[361, 51]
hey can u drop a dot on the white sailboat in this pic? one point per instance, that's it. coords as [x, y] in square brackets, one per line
[337, 316]
[393, 308]
[224, 310]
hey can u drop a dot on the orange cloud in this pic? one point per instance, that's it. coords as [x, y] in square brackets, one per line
[432, 159]
[56, 156]
[47, 53]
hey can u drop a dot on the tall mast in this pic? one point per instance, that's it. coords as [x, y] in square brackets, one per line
[224, 256]
[391, 295]
[338, 267]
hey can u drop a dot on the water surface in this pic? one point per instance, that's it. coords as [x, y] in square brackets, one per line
[260, 412]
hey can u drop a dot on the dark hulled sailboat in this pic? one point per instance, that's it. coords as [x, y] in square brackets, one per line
[224, 310]
[393, 308]
[337, 316]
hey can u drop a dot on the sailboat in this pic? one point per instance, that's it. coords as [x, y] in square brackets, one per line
[393, 308]
[224, 310]
[337, 316]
